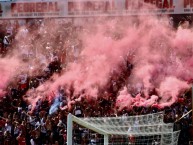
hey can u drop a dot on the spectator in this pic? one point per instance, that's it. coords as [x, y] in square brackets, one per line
[6, 42]
[21, 139]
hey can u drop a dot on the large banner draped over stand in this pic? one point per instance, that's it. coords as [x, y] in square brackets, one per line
[87, 8]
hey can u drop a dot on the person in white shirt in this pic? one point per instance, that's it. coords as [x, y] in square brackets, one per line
[78, 111]
[6, 41]
[8, 126]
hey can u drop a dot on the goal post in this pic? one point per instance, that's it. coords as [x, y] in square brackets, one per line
[127, 130]
[69, 129]
[71, 118]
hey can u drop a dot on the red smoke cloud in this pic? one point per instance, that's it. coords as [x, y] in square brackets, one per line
[9, 68]
[161, 62]
[161, 58]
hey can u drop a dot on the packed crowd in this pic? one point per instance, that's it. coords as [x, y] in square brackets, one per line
[19, 125]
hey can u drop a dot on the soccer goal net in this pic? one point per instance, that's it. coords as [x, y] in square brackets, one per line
[125, 130]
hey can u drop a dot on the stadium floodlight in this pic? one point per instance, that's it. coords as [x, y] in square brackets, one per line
[145, 129]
